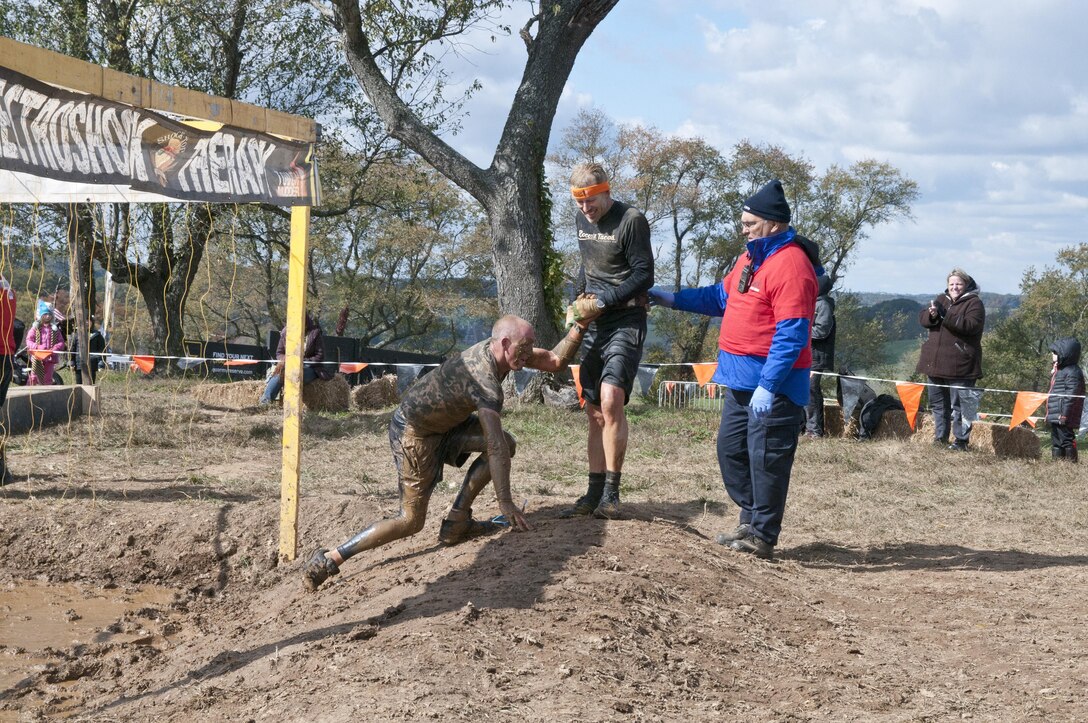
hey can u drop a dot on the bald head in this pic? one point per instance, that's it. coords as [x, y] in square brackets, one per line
[512, 340]
[510, 326]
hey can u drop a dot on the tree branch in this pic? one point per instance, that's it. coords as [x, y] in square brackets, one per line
[402, 123]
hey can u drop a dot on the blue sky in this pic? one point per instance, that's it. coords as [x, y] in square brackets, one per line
[983, 104]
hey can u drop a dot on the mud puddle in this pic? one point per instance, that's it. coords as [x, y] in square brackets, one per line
[37, 617]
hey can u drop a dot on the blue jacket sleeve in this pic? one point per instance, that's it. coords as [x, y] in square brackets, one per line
[789, 340]
[706, 300]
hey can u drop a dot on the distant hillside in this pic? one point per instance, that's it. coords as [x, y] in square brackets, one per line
[992, 301]
[885, 307]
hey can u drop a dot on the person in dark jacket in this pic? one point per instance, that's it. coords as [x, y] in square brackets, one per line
[313, 358]
[823, 356]
[952, 358]
[96, 345]
[9, 342]
[1066, 400]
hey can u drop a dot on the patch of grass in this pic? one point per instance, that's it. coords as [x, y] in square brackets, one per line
[266, 431]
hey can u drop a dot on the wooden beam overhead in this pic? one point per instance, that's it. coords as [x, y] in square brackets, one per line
[78, 75]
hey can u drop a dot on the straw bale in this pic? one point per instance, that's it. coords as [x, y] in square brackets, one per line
[232, 395]
[893, 425]
[333, 395]
[1001, 441]
[923, 429]
[833, 424]
[996, 439]
[376, 394]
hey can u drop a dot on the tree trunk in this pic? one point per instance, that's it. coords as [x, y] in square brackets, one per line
[516, 234]
[164, 309]
[508, 190]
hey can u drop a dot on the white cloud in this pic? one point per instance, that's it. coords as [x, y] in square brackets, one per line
[983, 105]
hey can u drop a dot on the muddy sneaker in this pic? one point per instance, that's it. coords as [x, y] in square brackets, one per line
[318, 569]
[739, 532]
[609, 506]
[455, 531]
[752, 545]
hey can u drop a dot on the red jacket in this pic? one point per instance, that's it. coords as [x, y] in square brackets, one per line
[783, 287]
[7, 322]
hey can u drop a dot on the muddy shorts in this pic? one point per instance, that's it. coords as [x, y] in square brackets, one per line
[420, 457]
[614, 349]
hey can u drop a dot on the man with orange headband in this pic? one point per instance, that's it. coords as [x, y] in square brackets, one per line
[617, 270]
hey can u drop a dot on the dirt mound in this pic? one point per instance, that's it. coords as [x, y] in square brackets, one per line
[579, 618]
[907, 585]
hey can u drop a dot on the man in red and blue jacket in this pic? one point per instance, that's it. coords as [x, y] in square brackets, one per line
[766, 302]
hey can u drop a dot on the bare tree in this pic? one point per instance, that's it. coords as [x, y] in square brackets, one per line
[381, 39]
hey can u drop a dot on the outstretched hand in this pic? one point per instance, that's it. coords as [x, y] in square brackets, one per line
[661, 297]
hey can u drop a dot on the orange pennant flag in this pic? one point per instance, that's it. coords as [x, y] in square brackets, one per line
[42, 354]
[703, 372]
[911, 396]
[238, 362]
[352, 367]
[144, 363]
[577, 383]
[1026, 403]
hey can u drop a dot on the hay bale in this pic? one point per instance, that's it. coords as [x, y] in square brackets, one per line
[998, 439]
[833, 424]
[376, 394]
[232, 395]
[893, 425]
[995, 439]
[923, 430]
[333, 395]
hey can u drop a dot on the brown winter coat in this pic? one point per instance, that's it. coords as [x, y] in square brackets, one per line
[954, 347]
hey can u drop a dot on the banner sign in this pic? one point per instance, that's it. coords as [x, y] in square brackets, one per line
[239, 362]
[84, 139]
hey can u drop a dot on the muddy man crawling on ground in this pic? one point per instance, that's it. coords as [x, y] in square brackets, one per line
[445, 417]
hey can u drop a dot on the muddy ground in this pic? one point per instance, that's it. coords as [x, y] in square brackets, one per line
[910, 583]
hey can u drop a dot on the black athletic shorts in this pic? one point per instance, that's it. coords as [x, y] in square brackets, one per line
[613, 350]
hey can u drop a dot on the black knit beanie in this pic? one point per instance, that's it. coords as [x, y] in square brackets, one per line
[769, 202]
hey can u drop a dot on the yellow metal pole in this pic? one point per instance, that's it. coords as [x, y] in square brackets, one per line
[292, 375]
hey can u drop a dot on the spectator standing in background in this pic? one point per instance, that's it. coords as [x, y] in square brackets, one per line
[823, 356]
[8, 346]
[952, 358]
[44, 336]
[1066, 401]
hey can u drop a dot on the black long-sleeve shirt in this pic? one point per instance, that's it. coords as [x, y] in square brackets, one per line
[617, 259]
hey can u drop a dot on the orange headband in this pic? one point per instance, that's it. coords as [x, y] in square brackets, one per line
[586, 191]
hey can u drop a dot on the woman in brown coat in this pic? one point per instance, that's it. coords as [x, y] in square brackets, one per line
[952, 358]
